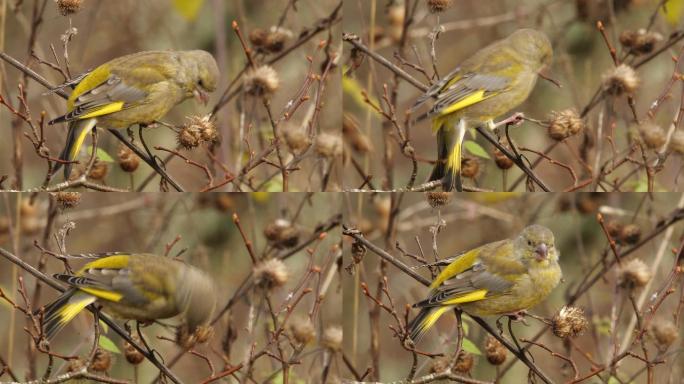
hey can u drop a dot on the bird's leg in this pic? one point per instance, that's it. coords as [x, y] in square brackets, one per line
[514, 119]
[518, 316]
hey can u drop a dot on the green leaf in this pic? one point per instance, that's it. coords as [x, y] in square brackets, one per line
[476, 149]
[469, 347]
[102, 155]
[104, 327]
[613, 380]
[107, 344]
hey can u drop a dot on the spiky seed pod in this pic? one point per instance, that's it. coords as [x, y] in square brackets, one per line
[495, 351]
[634, 274]
[438, 199]
[99, 170]
[102, 361]
[569, 322]
[677, 142]
[502, 161]
[665, 332]
[296, 138]
[329, 145]
[564, 124]
[128, 161]
[68, 7]
[436, 6]
[282, 234]
[439, 365]
[133, 356]
[257, 37]
[302, 330]
[620, 80]
[470, 167]
[465, 362]
[630, 234]
[276, 39]
[271, 273]
[332, 337]
[640, 42]
[652, 135]
[207, 128]
[261, 81]
[75, 365]
[189, 136]
[68, 199]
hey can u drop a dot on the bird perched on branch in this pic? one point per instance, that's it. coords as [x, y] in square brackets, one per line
[493, 81]
[134, 89]
[140, 287]
[499, 278]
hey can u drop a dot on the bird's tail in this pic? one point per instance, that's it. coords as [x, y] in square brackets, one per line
[78, 131]
[449, 147]
[61, 311]
[425, 319]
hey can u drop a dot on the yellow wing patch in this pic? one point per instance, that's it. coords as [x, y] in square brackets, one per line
[110, 262]
[104, 110]
[98, 76]
[432, 318]
[467, 101]
[70, 310]
[467, 298]
[459, 265]
[102, 294]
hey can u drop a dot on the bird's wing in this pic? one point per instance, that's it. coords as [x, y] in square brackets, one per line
[467, 90]
[98, 286]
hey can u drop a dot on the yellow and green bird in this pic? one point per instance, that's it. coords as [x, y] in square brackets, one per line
[492, 82]
[134, 89]
[499, 278]
[142, 287]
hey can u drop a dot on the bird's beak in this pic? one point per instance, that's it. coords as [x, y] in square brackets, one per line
[541, 252]
[548, 77]
[201, 96]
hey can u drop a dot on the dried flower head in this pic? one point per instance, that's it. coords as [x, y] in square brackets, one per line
[564, 124]
[677, 142]
[102, 361]
[271, 273]
[276, 39]
[282, 234]
[634, 273]
[436, 6]
[332, 337]
[640, 42]
[614, 228]
[438, 199]
[569, 322]
[622, 79]
[501, 160]
[470, 167]
[257, 37]
[302, 330]
[128, 161]
[99, 170]
[261, 81]
[652, 135]
[665, 332]
[186, 339]
[207, 128]
[296, 138]
[68, 199]
[465, 362]
[630, 234]
[495, 351]
[133, 356]
[68, 7]
[189, 136]
[439, 365]
[329, 145]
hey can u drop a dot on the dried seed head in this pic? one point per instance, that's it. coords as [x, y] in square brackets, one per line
[302, 330]
[614, 228]
[276, 39]
[357, 139]
[186, 339]
[128, 161]
[677, 142]
[622, 79]
[495, 351]
[102, 361]
[224, 202]
[665, 332]
[332, 337]
[282, 234]
[634, 273]
[569, 322]
[271, 273]
[396, 14]
[99, 170]
[652, 135]
[68, 7]
[133, 356]
[261, 81]
[630, 234]
[68, 199]
[640, 42]
[439, 365]
[564, 124]
[436, 6]
[438, 199]
[465, 362]
[189, 136]
[296, 138]
[502, 161]
[207, 128]
[470, 167]
[258, 37]
[329, 145]
[75, 365]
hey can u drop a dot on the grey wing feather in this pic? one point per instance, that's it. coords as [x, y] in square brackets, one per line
[466, 86]
[434, 90]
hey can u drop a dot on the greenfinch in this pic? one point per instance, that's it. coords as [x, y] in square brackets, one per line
[141, 287]
[496, 79]
[134, 89]
[499, 278]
